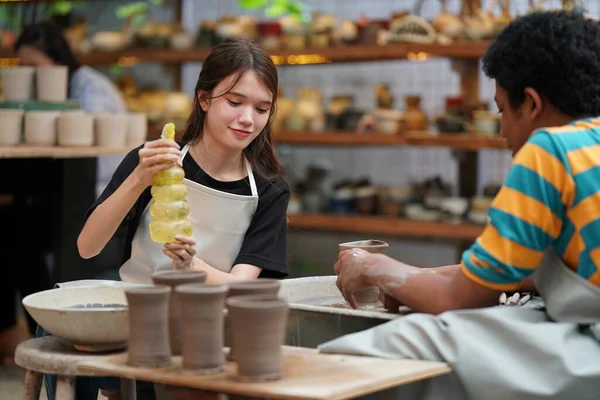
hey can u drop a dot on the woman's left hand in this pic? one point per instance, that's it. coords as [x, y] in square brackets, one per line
[181, 252]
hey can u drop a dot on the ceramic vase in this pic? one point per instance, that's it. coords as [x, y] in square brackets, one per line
[261, 286]
[174, 279]
[258, 326]
[148, 326]
[202, 333]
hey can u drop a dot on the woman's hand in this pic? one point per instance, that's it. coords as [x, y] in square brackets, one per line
[155, 156]
[181, 252]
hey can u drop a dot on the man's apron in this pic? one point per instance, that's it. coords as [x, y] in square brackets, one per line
[219, 219]
[501, 352]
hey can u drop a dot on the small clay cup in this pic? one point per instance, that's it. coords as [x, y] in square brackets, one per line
[173, 279]
[370, 296]
[258, 327]
[202, 326]
[148, 326]
[260, 286]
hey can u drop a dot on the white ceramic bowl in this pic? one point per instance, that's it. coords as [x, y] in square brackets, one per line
[90, 329]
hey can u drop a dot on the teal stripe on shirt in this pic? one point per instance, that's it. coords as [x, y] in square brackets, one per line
[528, 182]
[515, 229]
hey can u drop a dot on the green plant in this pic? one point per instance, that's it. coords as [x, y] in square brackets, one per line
[276, 8]
[138, 11]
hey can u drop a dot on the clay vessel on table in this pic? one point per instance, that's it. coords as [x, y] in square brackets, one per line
[258, 327]
[148, 326]
[173, 279]
[261, 286]
[202, 332]
[367, 297]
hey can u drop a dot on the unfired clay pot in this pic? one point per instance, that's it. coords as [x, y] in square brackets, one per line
[260, 286]
[75, 128]
[17, 82]
[369, 296]
[173, 279]
[52, 82]
[258, 326]
[148, 326]
[202, 333]
[40, 127]
[137, 129]
[111, 129]
[11, 126]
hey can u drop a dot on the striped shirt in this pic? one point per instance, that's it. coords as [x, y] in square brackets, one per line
[551, 198]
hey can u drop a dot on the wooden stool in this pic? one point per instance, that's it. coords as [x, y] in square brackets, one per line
[51, 355]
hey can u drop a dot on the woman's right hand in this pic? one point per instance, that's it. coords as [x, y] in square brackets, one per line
[157, 155]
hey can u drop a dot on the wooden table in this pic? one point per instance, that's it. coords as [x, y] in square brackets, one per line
[50, 355]
[308, 374]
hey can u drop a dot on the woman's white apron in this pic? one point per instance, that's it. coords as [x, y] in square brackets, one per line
[220, 221]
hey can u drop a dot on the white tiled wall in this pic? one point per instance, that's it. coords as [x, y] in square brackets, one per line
[432, 79]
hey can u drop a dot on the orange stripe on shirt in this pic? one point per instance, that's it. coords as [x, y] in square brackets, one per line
[573, 250]
[586, 211]
[568, 128]
[583, 159]
[508, 252]
[553, 171]
[528, 209]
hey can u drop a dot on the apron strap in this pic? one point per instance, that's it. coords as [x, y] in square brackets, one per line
[251, 179]
[184, 152]
[253, 188]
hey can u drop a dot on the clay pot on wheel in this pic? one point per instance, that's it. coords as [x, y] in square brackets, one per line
[148, 326]
[370, 296]
[202, 334]
[258, 327]
[173, 279]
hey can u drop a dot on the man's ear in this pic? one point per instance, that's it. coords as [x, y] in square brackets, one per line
[203, 99]
[532, 105]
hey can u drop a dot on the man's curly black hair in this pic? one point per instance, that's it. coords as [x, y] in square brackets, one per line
[557, 53]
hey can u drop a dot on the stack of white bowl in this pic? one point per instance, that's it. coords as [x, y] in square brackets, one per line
[74, 128]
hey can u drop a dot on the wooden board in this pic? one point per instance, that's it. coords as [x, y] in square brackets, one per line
[308, 375]
[59, 152]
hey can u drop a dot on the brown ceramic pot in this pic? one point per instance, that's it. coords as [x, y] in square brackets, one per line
[260, 286]
[202, 333]
[148, 326]
[258, 327]
[367, 297]
[173, 279]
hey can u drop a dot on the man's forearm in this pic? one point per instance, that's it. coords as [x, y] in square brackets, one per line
[430, 290]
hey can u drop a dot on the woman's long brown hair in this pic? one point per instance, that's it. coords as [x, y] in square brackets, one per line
[236, 57]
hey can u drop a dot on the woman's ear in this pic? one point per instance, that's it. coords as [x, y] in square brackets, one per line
[203, 99]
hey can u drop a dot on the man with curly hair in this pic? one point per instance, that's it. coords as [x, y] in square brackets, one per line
[544, 228]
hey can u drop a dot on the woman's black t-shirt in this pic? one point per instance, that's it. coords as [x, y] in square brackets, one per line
[265, 243]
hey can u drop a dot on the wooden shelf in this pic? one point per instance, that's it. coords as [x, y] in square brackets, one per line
[334, 54]
[455, 141]
[382, 225]
[461, 141]
[23, 151]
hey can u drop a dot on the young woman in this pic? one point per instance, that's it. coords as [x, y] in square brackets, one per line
[237, 199]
